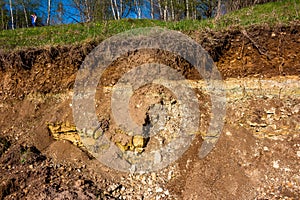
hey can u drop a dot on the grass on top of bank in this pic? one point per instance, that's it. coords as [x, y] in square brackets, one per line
[272, 13]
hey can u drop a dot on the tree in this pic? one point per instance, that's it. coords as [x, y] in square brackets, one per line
[187, 8]
[60, 12]
[11, 15]
[218, 14]
[48, 12]
[115, 9]
[138, 8]
[152, 9]
[4, 15]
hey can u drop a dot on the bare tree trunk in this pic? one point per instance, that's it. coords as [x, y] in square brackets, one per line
[138, 9]
[60, 11]
[166, 11]
[117, 9]
[172, 11]
[192, 11]
[152, 9]
[187, 9]
[218, 15]
[2, 18]
[16, 19]
[25, 14]
[12, 15]
[87, 10]
[160, 9]
[121, 8]
[49, 12]
[113, 9]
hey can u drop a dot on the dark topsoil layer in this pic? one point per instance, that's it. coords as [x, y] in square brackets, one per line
[259, 52]
[28, 171]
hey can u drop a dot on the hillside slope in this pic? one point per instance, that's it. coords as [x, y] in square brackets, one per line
[257, 155]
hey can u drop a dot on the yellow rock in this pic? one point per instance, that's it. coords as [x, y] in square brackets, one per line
[53, 128]
[88, 141]
[68, 129]
[138, 141]
[139, 150]
[122, 147]
[98, 134]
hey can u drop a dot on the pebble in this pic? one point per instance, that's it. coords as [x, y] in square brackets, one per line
[157, 157]
[266, 149]
[159, 190]
[276, 164]
[298, 154]
[167, 192]
[228, 133]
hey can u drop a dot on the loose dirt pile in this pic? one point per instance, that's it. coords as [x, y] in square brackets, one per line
[256, 157]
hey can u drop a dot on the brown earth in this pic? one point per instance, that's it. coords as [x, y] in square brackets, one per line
[257, 156]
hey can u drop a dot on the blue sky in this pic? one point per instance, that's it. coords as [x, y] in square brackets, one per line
[72, 15]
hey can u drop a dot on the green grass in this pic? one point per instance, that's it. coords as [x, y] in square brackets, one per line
[271, 13]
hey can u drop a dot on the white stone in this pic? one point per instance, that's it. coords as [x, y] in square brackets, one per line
[298, 153]
[276, 164]
[157, 157]
[228, 133]
[158, 190]
[132, 169]
[271, 111]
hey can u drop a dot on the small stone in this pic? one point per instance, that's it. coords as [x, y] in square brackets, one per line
[298, 153]
[132, 169]
[158, 190]
[143, 181]
[122, 147]
[89, 133]
[138, 150]
[157, 157]
[273, 35]
[167, 192]
[138, 141]
[79, 183]
[271, 111]
[153, 176]
[98, 133]
[228, 133]
[266, 149]
[276, 164]
[88, 141]
[170, 174]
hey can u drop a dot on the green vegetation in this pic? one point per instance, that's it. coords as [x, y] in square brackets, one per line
[269, 13]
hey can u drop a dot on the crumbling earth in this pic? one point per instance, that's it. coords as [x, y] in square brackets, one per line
[257, 155]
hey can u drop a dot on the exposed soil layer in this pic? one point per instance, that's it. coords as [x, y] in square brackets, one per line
[256, 157]
[268, 52]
